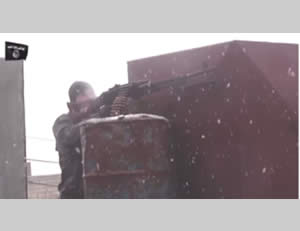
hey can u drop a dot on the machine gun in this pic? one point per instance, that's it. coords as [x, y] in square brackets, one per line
[115, 101]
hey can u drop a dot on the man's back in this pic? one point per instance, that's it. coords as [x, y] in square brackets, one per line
[69, 148]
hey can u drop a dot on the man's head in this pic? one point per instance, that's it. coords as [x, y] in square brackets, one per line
[80, 94]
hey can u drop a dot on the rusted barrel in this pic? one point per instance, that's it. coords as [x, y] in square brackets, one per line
[127, 157]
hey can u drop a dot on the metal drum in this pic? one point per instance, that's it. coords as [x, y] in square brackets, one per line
[127, 157]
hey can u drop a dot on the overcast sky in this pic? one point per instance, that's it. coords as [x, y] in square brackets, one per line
[56, 60]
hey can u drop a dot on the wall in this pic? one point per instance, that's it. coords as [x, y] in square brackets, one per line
[43, 187]
[12, 130]
[237, 137]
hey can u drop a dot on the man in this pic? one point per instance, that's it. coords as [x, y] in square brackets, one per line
[67, 135]
[83, 104]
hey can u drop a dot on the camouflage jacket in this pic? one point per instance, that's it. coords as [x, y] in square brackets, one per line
[67, 136]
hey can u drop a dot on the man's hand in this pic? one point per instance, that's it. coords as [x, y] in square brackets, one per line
[104, 111]
[78, 112]
[93, 106]
[77, 117]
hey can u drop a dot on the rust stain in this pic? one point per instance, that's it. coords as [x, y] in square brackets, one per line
[127, 158]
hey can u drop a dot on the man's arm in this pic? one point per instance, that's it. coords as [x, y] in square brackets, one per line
[65, 131]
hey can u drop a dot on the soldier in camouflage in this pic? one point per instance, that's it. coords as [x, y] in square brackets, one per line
[67, 135]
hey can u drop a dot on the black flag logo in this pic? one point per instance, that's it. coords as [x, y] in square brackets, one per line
[15, 51]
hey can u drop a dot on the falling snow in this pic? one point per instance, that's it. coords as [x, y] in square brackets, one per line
[193, 160]
[202, 136]
[218, 121]
[187, 131]
[264, 170]
[172, 160]
[149, 83]
[228, 85]
[178, 98]
[291, 72]
[251, 122]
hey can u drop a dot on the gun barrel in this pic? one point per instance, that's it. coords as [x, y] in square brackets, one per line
[147, 88]
[116, 97]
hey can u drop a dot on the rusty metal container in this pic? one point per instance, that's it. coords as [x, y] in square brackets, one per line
[127, 157]
[238, 136]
